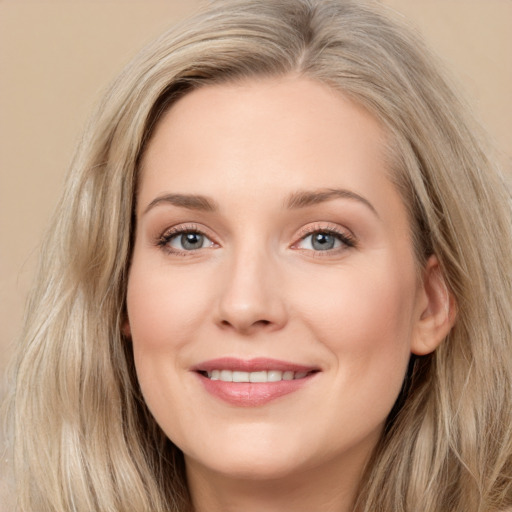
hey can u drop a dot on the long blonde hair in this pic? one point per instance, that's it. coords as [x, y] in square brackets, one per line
[83, 438]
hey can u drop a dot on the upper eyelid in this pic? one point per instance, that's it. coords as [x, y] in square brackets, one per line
[163, 237]
[184, 228]
[316, 227]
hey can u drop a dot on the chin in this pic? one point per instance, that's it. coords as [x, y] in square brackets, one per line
[264, 467]
[251, 453]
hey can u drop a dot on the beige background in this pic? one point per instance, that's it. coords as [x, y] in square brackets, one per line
[56, 58]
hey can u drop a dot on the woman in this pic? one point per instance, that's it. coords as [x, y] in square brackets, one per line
[279, 278]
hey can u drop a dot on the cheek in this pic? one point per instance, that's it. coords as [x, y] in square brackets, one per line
[163, 310]
[365, 319]
[163, 307]
[363, 308]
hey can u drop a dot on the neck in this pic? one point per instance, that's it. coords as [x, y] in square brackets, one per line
[316, 489]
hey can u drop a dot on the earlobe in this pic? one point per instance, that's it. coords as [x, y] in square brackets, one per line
[437, 310]
[125, 327]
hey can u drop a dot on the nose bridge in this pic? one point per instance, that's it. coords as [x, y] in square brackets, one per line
[250, 297]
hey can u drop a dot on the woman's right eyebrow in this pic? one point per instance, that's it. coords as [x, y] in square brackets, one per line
[189, 201]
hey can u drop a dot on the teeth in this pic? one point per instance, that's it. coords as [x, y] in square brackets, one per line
[274, 376]
[226, 375]
[241, 377]
[261, 376]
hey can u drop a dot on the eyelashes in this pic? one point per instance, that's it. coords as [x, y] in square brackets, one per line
[319, 239]
[324, 239]
[185, 239]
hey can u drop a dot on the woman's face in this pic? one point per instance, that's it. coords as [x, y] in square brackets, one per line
[271, 249]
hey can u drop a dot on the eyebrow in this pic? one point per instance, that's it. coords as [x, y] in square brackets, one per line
[189, 201]
[305, 198]
[300, 199]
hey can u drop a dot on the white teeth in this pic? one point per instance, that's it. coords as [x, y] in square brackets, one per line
[240, 376]
[261, 376]
[226, 375]
[274, 376]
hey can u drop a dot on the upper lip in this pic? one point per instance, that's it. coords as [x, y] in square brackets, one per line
[251, 365]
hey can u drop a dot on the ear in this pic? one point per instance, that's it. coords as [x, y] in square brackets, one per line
[126, 330]
[436, 310]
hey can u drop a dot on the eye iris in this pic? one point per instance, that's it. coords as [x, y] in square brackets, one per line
[192, 241]
[322, 241]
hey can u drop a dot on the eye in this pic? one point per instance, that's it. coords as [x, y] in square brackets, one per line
[189, 241]
[325, 240]
[185, 240]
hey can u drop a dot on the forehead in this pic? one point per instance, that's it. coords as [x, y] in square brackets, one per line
[262, 136]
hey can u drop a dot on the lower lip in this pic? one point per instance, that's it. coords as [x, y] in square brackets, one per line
[252, 394]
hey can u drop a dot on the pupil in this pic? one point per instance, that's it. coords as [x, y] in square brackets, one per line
[323, 241]
[192, 240]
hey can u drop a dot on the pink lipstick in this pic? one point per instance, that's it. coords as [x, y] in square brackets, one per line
[254, 382]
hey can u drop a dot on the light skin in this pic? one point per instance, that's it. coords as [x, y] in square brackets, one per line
[297, 247]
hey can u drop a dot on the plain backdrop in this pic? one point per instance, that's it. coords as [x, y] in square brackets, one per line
[56, 57]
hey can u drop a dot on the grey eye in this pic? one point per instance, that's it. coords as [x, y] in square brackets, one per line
[190, 241]
[321, 241]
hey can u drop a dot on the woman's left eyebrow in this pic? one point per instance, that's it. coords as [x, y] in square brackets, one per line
[304, 198]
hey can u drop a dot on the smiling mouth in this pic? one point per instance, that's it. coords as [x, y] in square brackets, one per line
[253, 382]
[263, 376]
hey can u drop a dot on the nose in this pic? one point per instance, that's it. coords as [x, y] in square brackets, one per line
[251, 298]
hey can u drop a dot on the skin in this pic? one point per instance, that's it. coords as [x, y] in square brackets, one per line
[258, 288]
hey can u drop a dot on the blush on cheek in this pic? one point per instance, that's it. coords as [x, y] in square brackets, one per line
[153, 309]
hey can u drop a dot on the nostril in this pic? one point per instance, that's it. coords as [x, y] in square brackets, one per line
[242, 326]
